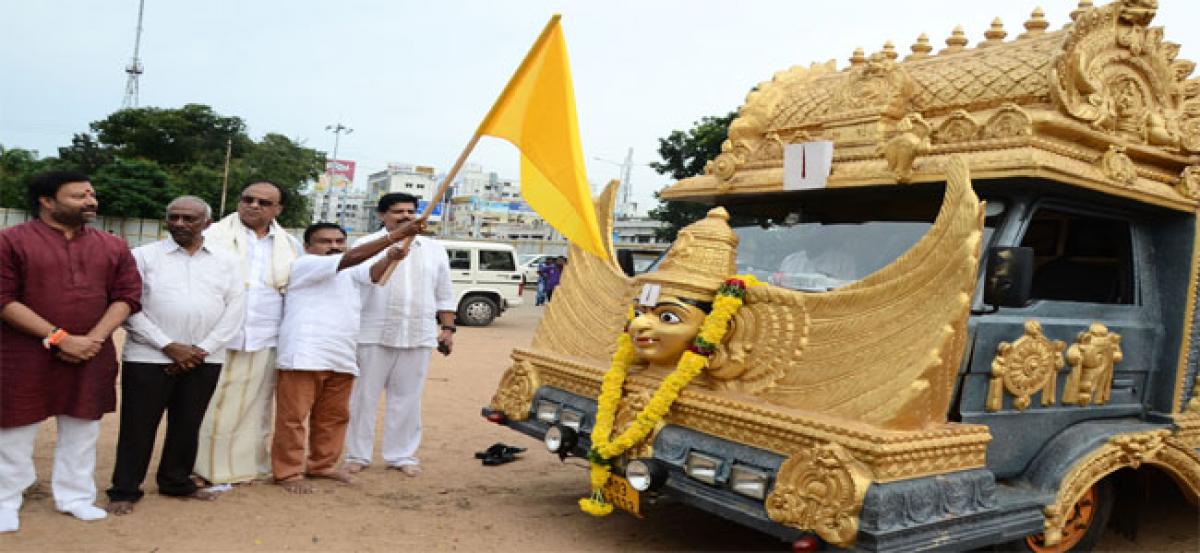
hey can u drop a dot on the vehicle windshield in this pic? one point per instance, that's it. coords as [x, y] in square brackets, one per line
[821, 248]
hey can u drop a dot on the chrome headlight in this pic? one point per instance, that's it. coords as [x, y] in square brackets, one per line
[560, 439]
[571, 419]
[750, 482]
[702, 467]
[547, 411]
[645, 474]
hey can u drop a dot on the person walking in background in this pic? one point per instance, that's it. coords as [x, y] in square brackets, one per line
[402, 321]
[192, 304]
[553, 275]
[317, 364]
[64, 288]
[544, 266]
[237, 425]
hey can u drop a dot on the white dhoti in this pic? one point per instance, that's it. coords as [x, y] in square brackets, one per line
[235, 434]
[74, 465]
[400, 372]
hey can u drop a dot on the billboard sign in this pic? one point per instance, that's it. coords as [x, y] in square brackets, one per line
[342, 173]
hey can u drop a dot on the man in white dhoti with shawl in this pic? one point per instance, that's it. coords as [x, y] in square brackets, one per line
[234, 436]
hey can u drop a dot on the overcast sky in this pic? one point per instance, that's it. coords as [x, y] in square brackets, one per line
[414, 78]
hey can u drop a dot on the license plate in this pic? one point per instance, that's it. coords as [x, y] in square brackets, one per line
[618, 492]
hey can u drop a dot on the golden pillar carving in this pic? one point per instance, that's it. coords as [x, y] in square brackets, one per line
[1092, 358]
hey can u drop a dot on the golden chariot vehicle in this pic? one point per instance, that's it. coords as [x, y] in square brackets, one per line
[980, 328]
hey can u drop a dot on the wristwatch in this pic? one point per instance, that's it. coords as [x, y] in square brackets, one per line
[452, 329]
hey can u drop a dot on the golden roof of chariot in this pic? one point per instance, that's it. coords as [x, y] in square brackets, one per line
[1102, 103]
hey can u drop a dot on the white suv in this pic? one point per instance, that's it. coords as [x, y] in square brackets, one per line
[486, 280]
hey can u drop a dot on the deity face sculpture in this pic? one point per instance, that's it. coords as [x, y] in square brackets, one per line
[662, 332]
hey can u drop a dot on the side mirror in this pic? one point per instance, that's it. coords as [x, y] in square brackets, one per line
[625, 260]
[1008, 281]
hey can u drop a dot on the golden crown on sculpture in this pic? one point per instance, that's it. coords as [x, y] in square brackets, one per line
[702, 257]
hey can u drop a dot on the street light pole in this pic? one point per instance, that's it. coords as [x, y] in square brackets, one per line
[337, 131]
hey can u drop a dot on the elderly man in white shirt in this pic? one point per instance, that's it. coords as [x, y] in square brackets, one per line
[316, 362]
[237, 426]
[192, 304]
[402, 321]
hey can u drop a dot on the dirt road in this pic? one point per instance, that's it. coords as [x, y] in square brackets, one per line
[456, 504]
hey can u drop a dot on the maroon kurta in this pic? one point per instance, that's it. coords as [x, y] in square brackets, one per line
[70, 283]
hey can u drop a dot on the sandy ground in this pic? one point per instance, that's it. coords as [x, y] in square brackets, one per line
[456, 504]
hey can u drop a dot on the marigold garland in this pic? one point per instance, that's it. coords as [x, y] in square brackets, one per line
[730, 297]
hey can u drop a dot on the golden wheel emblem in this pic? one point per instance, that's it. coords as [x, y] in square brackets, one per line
[1025, 367]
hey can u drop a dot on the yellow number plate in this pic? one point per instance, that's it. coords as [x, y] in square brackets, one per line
[618, 492]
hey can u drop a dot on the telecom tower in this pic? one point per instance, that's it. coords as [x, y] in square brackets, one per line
[134, 69]
[626, 169]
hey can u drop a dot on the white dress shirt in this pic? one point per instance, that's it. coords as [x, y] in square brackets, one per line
[192, 299]
[264, 304]
[321, 315]
[403, 313]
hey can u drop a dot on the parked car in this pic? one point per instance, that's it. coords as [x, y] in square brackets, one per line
[486, 280]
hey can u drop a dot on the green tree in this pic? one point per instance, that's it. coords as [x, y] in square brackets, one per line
[684, 154]
[85, 154]
[133, 188]
[172, 137]
[282, 161]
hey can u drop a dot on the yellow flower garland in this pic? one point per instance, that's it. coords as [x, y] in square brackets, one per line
[729, 299]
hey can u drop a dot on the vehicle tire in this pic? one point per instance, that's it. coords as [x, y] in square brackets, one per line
[477, 311]
[1085, 523]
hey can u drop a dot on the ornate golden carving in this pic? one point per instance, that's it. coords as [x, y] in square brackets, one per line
[821, 489]
[903, 149]
[1009, 121]
[514, 395]
[890, 455]
[1117, 166]
[883, 350]
[1092, 358]
[1036, 24]
[1185, 344]
[1025, 367]
[1189, 182]
[957, 127]
[1107, 79]
[1131, 450]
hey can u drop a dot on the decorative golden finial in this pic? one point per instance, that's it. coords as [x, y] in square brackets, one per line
[957, 41]
[1036, 25]
[1084, 6]
[921, 49]
[889, 50]
[858, 58]
[702, 257]
[995, 34]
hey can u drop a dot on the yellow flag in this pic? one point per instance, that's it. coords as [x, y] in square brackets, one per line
[536, 113]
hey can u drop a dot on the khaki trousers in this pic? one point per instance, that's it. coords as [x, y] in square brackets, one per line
[322, 400]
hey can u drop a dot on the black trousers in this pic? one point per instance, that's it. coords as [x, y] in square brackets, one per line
[146, 391]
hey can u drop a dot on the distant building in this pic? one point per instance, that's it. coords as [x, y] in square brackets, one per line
[352, 210]
[418, 180]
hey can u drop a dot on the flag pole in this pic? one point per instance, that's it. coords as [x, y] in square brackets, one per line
[441, 191]
[462, 158]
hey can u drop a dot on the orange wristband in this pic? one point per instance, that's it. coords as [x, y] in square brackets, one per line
[56, 337]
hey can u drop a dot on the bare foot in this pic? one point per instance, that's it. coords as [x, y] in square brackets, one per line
[201, 495]
[200, 482]
[341, 475]
[355, 468]
[119, 507]
[296, 485]
[408, 470]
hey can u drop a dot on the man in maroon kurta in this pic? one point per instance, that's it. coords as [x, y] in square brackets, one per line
[64, 288]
